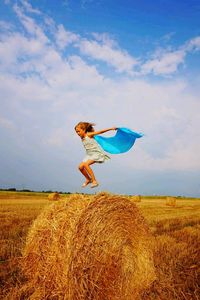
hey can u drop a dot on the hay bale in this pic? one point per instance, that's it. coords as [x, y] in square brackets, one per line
[101, 194]
[54, 196]
[136, 198]
[171, 201]
[95, 249]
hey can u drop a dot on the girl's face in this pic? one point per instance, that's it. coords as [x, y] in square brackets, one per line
[80, 132]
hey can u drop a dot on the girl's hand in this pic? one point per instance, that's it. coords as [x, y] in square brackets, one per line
[92, 134]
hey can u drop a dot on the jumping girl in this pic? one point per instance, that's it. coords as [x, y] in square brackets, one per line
[94, 153]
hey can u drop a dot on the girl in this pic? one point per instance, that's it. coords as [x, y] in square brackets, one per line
[94, 154]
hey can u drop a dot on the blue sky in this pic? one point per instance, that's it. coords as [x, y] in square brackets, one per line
[115, 63]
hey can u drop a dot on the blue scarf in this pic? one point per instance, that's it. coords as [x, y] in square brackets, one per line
[120, 143]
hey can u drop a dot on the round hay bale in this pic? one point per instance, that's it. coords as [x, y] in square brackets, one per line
[95, 249]
[136, 198]
[102, 193]
[54, 196]
[171, 201]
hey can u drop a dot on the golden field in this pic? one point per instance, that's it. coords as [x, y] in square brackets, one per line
[176, 242]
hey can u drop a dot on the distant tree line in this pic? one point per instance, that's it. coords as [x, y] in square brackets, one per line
[31, 191]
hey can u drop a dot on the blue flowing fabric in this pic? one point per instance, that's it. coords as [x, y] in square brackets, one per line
[120, 143]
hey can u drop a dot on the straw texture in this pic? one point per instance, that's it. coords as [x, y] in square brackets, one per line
[136, 198]
[88, 248]
[54, 196]
[171, 201]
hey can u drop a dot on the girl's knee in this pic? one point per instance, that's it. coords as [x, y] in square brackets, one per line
[81, 166]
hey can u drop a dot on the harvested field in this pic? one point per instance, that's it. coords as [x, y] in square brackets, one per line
[176, 240]
[171, 201]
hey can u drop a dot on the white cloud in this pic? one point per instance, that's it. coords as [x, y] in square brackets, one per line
[30, 25]
[106, 39]
[164, 63]
[193, 44]
[40, 87]
[17, 53]
[119, 59]
[5, 26]
[105, 49]
[101, 48]
[28, 7]
[167, 37]
[64, 37]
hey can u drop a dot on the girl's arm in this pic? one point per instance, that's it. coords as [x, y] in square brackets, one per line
[91, 134]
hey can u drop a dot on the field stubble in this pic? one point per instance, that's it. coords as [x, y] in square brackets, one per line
[176, 233]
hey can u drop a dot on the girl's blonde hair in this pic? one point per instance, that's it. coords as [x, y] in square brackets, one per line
[87, 127]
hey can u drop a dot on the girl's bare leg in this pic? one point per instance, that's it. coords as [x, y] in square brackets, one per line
[89, 170]
[85, 173]
[85, 169]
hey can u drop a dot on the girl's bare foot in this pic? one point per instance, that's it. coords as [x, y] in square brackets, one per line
[94, 184]
[86, 183]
